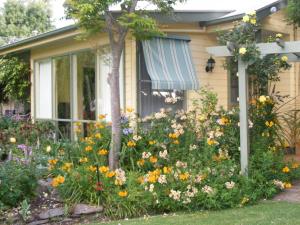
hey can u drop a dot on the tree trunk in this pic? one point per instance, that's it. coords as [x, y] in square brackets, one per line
[113, 81]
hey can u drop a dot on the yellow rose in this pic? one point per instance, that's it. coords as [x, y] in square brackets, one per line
[284, 58]
[253, 21]
[12, 140]
[242, 51]
[262, 99]
[252, 13]
[246, 19]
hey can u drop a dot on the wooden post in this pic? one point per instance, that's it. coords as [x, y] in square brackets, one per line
[244, 129]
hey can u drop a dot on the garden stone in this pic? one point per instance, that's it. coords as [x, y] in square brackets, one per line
[83, 209]
[52, 213]
[38, 222]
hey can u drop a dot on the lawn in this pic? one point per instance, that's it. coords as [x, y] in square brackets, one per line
[281, 213]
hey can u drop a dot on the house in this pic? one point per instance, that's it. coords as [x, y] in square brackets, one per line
[69, 76]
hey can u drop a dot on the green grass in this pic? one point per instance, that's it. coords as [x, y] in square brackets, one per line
[281, 213]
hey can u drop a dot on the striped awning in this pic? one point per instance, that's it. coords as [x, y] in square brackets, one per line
[169, 63]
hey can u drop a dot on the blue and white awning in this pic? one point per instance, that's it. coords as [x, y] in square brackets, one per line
[169, 63]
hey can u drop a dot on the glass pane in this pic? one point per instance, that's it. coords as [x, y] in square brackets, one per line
[64, 130]
[62, 87]
[86, 85]
[44, 90]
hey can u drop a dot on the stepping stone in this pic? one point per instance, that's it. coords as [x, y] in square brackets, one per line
[52, 213]
[39, 222]
[83, 209]
[289, 195]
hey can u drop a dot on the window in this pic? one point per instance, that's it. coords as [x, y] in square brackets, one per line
[73, 88]
[150, 100]
[44, 90]
[233, 88]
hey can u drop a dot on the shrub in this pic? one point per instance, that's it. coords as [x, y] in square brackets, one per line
[17, 182]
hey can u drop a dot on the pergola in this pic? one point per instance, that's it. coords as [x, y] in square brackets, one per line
[290, 49]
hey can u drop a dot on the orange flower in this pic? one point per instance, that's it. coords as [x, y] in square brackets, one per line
[88, 148]
[167, 170]
[103, 169]
[153, 159]
[131, 144]
[140, 162]
[92, 168]
[110, 174]
[52, 161]
[67, 167]
[287, 185]
[173, 135]
[57, 181]
[102, 152]
[285, 169]
[101, 116]
[123, 194]
[184, 176]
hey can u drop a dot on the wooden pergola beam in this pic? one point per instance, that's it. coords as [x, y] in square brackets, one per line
[290, 49]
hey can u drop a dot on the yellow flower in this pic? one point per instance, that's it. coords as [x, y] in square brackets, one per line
[253, 21]
[242, 51]
[153, 159]
[13, 140]
[295, 165]
[103, 169]
[92, 168]
[269, 124]
[262, 99]
[285, 169]
[83, 160]
[284, 58]
[167, 170]
[173, 135]
[211, 141]
[101, 116]
[141, 180]
[102, 152]
[246, 18]
[152, 142]
[123, 194]
[98, 135]
[184, 176]
[278, 35]
[99, 126]
[130, 110]
[67, 167]
[131, 144]
[244, 200]
[57, 181]
[88, 148]
[153, 175]
[252, 13]
[110, 174]
[140, 162]
[287, 185]
[176, 142]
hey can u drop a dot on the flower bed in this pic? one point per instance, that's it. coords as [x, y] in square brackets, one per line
[169, 162]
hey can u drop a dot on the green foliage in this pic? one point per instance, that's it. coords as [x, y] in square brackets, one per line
[19, 20]
[14, 79]
[293, 11]
[262, 71]
[18, 182]
[175, 161]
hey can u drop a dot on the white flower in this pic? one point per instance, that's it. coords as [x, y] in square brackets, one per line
[181, 164]
[120, 176]
[12, 140]
[151, 187]
[160, 115]
[48, 148]
[175, 195]
[136, 137]
[192, 147]
[230, 185]
[146, 155]
[163, 154]
[250, 123]
[207, 189]
[199, 178]
[278, 184]
[162, 179]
